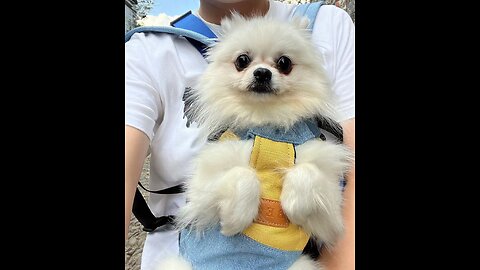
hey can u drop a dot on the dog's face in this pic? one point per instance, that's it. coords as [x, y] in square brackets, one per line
[263, 72]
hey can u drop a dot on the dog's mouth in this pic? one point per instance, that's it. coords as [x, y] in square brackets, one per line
[262, 88]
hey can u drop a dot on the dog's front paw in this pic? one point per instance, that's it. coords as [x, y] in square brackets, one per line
[313, 201]
[301, 194]
[240, 200]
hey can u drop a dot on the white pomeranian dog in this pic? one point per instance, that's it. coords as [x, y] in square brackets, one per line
[271, 180]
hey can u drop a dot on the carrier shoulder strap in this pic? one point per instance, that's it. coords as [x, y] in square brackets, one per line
[188, 26]
[309, 10]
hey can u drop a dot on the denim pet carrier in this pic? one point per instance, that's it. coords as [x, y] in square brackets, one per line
[200, 36]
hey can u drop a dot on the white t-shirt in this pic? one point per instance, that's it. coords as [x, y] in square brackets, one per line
[158, 67]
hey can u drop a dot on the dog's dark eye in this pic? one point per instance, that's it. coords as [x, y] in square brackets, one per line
[242, 62]
[284, 65]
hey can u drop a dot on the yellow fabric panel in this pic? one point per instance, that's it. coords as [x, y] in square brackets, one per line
[269, 158]
[271, 155]
[292, 238]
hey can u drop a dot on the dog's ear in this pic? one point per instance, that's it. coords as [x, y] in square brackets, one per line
[227, 23]
[300, 22]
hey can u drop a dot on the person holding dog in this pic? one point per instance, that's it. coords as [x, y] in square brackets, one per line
[154, 121]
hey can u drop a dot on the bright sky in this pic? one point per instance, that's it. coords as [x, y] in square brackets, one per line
[173, 8]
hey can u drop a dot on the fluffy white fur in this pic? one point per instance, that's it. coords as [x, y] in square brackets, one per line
[305, 263]
[222, 97]
[174, 263]
[224, 189]
[311, 196]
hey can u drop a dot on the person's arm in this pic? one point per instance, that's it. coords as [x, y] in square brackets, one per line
[143, 107]
[342, 255]
[136, 148]
[341, 31]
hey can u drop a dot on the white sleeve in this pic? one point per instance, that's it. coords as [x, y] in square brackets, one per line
[334, 31]
[143, 105]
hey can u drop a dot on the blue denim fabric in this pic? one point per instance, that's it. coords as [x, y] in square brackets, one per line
[309, 10]
[171, 30]
[299, 133]
[239, 251]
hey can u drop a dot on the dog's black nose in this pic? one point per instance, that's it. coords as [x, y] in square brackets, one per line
[262, 75]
